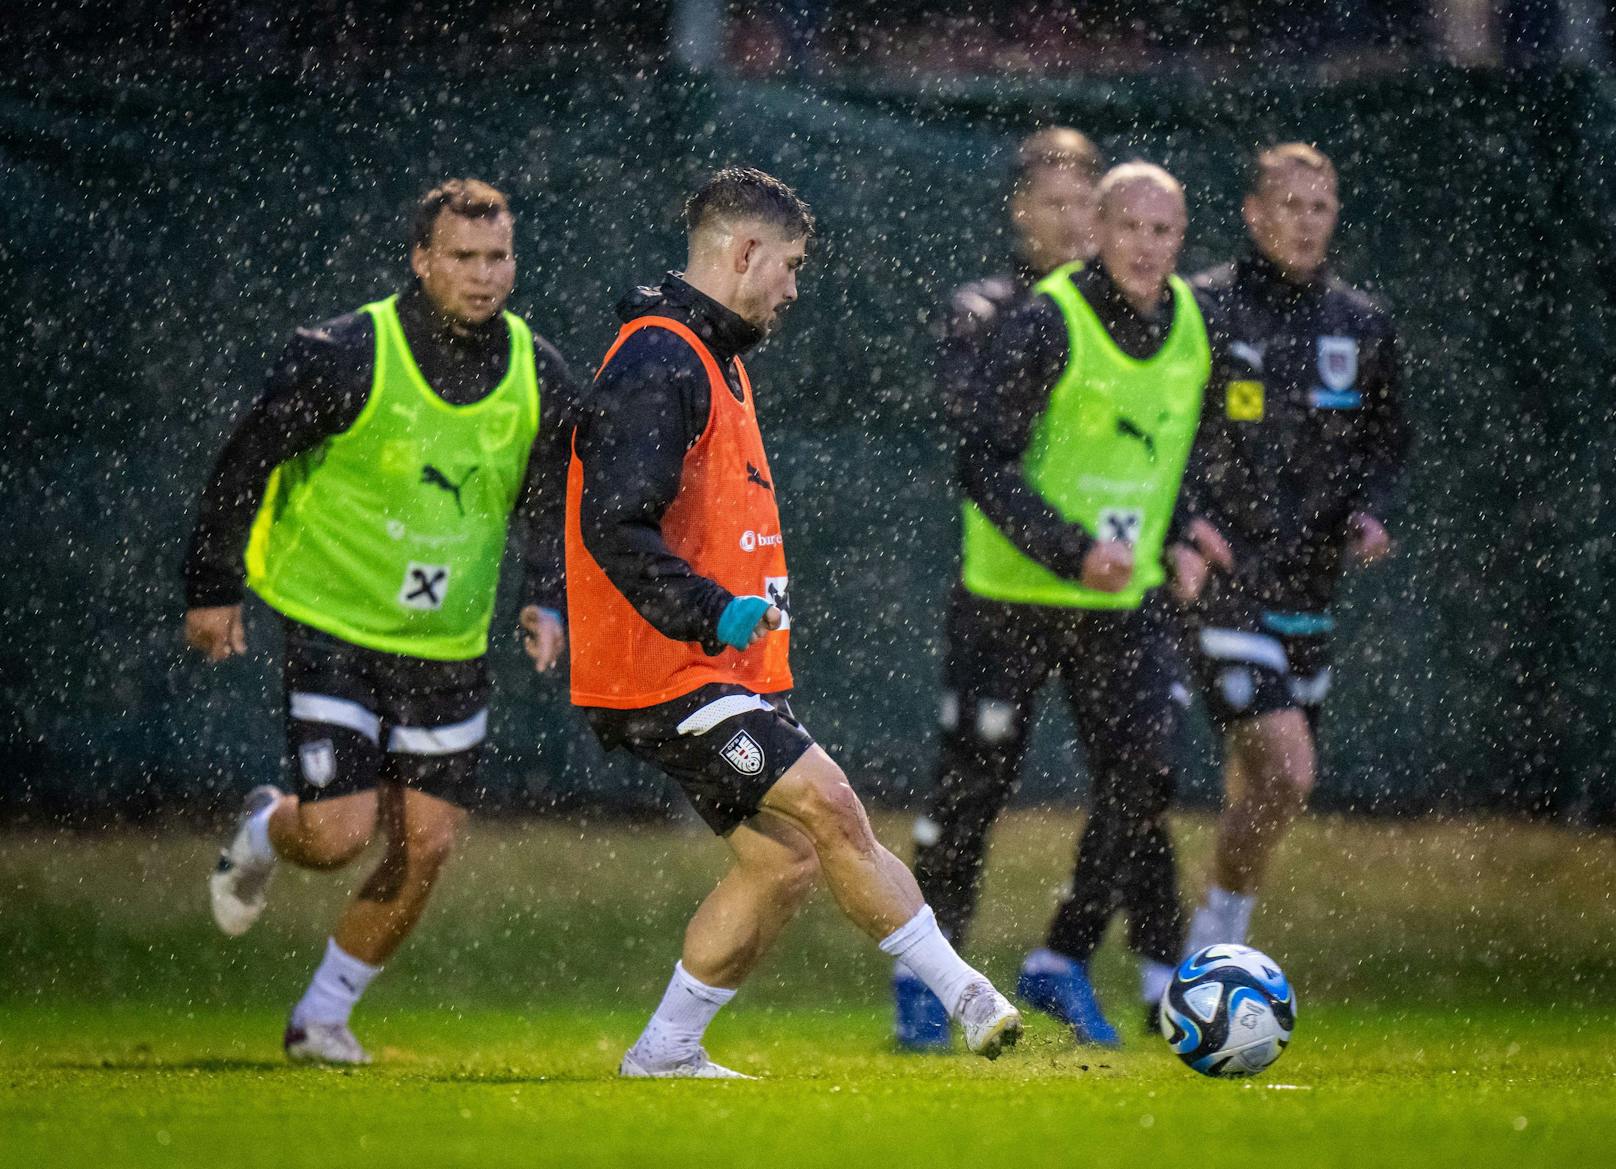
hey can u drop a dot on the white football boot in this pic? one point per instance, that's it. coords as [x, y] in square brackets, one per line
[239, 883]
[699, 1066]
[991, 1024]
[330, 1043]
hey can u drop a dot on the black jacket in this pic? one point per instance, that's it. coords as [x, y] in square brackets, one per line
[316, 391]
[1009, 392]
[648, 407]
[1280, 469]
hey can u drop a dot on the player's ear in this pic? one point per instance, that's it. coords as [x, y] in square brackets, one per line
[745, 253]
[1251, 211]
[418, 261]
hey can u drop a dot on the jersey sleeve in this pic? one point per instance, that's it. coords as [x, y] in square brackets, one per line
[1386, 436]
[315, 390]
[542, 506]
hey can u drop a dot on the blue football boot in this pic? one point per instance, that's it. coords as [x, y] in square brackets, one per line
[1060, 987]
[920, 1021]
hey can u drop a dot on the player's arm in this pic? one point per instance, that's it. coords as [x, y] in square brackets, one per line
[315, 390]
[1196, 544]
[643, 414]
[542, 507]
[1020, 366]
[1386, 441]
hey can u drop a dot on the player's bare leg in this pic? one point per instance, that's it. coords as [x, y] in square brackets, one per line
[1269, 772]
[812, 804]
[419, 832]
[325, 834]
[878, 894]
[775, 869]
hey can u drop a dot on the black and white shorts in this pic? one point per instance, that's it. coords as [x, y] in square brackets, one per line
[724, 745]
[1253, 661]
[356, 717]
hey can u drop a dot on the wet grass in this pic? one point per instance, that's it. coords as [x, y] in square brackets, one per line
[152, 1085]
[1457, 986]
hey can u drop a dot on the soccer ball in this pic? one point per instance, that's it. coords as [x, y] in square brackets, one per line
[1229, 1011]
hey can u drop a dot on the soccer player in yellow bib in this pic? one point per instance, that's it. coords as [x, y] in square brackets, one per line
[370, 488]
[1071, 454]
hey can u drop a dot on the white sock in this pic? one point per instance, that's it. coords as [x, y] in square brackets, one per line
[1234, 910]
[1153, 979]
[335, 987]
[258, 842]
[674, 1032]
[1222, 917]
[921, 946]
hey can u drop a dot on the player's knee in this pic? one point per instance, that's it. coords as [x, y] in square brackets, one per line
[831, 810]
[430, 844]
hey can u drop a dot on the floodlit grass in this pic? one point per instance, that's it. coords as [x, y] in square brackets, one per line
[1456, 985]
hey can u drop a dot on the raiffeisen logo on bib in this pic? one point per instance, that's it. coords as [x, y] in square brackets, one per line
[752, 541]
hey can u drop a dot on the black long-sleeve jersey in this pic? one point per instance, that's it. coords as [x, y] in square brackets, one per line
[648, 407]
[1008, 392]
[318, 388]
[1302, 426]
[975, 311]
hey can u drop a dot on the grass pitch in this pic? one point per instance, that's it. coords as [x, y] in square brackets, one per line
[1453, 983]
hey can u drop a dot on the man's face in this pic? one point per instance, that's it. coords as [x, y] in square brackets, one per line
[468, 268]
[768, 280]
[1054, 217]
[1141, 230]
[1292, 218]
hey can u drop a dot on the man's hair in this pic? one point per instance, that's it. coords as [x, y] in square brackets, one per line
[1270, 163]
[1055, 148]
[1136, 172]
[743, 192]
[467, 198]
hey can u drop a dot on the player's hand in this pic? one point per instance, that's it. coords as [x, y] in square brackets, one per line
[215, 631]
[1210, 545]
[1108, 567]
[543, 636]
[1367, 538]
[1187, 571]
[767, 624]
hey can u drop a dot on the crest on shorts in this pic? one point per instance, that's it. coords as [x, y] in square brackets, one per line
[1338, 362]
[1237, 686]
[743, 754]
[318, 762]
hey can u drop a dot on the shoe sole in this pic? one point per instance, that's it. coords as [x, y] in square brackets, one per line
[232, 915]
[630, 1070]
[1002, 1038]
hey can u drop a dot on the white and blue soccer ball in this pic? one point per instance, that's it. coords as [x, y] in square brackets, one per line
[1229, 1011]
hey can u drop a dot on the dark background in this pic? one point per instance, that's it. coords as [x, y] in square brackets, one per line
[176, 196]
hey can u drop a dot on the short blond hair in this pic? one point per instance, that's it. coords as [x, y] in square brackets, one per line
[1055, 148]
[1130, 173]
[1270, 163]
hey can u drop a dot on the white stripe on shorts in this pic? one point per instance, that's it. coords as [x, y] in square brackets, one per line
[1235, 645]
[720, 709]
[444, 740]
[337, 712]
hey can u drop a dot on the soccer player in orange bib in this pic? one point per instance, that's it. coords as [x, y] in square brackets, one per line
[678, 603]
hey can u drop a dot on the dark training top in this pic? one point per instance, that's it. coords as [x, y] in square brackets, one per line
[647, 409]
[1302, 426]
[1000, 404]
[317, 390]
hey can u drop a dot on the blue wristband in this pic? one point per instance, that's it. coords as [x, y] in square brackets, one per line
[738, 620]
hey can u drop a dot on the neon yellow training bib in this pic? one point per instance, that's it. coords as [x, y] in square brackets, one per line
[1108, 453]
[389, 535]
